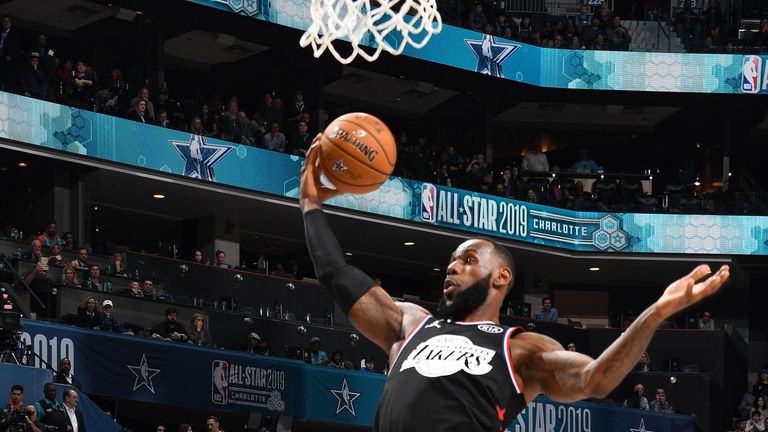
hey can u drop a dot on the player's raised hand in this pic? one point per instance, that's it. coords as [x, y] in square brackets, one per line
[691, 289]
[313, 193]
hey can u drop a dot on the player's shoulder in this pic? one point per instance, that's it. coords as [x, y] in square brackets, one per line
[413, 315]
[531, 343]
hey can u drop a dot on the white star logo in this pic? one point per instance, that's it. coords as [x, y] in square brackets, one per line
[346, 398]
[640, 428]
[339, 165]
[143, 374]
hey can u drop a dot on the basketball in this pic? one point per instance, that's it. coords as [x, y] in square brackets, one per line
[357, 153]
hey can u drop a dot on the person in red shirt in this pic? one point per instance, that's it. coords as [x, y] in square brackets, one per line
[15, 403]
[50, 236]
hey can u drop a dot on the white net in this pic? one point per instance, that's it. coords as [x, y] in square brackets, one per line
[390, 25]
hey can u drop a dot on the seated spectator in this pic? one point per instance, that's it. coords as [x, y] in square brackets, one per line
[117, 266]
[50, 236]
[571, 347]
[477, 19]
[708, 47]
[68, 241]
[644, 365]
[444, 176]
[162, 119]
[584, 18]
[134, 289]
[761, 386]
[81, 263]
[209, 126]
[139, 112]
[198, 257]
[761, 407]
[252, 343]
[501, 24]
[617, 36]
[274, 139]
[712, 16]
[109, 321]
[589, 32]
[34, 253]
[148, 111]
[760, 37]
[660, 403]
[527, 34]
[600, 44]
[706, 322]
[269, 109]
[148, 289]
[88, 315]
[45, 290]
[535, 160]
[755, 423]
[368, 365]
[531, 196]
[172, 329]
[300, 140]
[317, 357]
[198, 332]
[69, 276]
[584, 165]
[547, 312]
[244, 133]
[221, 257]
[637, 400]
[196, 127]
[575, 43]
[337, 360]
[54, 254]
[605, 14]
[65, 374]
[687, 23]
[513, 184]
[93, 280]
[741, 425]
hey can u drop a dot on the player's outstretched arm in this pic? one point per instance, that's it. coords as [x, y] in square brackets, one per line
[369, 307]
[567, 376]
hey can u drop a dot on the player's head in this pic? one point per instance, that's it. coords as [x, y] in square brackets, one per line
[480, 271]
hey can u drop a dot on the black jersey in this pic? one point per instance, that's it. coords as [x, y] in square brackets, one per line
[451, 376]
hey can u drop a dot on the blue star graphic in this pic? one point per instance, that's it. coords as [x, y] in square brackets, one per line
[143, 374]
[200, 156]
[491, 54]
[346, 398]
[641, 428]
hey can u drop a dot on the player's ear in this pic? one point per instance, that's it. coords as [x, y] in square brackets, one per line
[504, 277]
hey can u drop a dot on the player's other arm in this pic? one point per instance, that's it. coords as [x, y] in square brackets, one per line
[567, 376]
[369, 307]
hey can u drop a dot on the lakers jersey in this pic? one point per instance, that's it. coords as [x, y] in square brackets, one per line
[451, 376]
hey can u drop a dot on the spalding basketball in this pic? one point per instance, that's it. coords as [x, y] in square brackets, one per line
[357, 153]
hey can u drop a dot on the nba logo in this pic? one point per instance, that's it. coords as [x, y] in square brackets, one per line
[750, 74]
[219, 390]
[428, 195]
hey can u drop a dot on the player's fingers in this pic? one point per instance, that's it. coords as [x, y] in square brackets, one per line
[714, 283]
[700, 272]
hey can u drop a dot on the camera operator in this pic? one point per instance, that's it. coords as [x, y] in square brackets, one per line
[15, 416]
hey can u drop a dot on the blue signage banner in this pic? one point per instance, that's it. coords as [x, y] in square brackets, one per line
[549, 67]
[126, 367]
[167, 151]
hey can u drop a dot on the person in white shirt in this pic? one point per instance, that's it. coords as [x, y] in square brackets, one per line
[706, 322]
[535, 161]
[75, 421]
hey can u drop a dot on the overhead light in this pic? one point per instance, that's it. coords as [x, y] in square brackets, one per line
[22, 164]
[697, 183]
[348, 253]
[158, 196]
[436, 269]
[594, 269]
[409, 243]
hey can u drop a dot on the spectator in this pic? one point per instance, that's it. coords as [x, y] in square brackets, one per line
[162, 119]
[33, 79]
[589, 32]
[488, 28]
[605, 14]
[708, 47]
[140, 112]
[50, 412]
[269, 110]
[761, 407]
[160, 428]
[228, 121]
[444, 176]
[35, 252]
[68, 241]
[65, 374]
[368, 365]
[570, 29]
[14, 404]
[116, 266]
[149, 111]
[477, 18]
[75, 420]
[527, 33]
[584, 164]
[760, 38]
[81, 263]
[252, 343]
[547, 312]
[172, 329]
[134, 289]
[514, 187]
[244, 134]
[576, 44]
[637, 400]
[118, 89]
[174, 115]
[501, 24]
[185, 428]
[741, 425]
[10, 53]
[337, 360]
[531, 196]
[761, 386]
[54, 254]
[712, 17]
[198, 332]
[317, 357]
[755, 423]
[212, 423]
[88, 315]
[706, 322]
[296, 109]
[221, 260]
[618, 37]
[583, 19]
[258, 129]
[94, 281]
[109, 322]
[535, 160]
[599, 44]
[644, 365]
[148, 289]
[660, 403]
[83, 86]
[300, 140]
[571, 347]
[196, 127]
[210, 127]
[274, 140]
[687, 23]
[45, 290]
[198, 257]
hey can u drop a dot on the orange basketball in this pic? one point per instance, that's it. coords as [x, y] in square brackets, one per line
[357, 153]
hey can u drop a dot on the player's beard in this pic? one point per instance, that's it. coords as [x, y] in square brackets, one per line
[466, 301]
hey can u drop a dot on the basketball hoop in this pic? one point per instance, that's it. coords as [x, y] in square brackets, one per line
[390, 26]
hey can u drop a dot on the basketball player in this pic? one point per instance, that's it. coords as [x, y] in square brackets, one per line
[462, 370]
